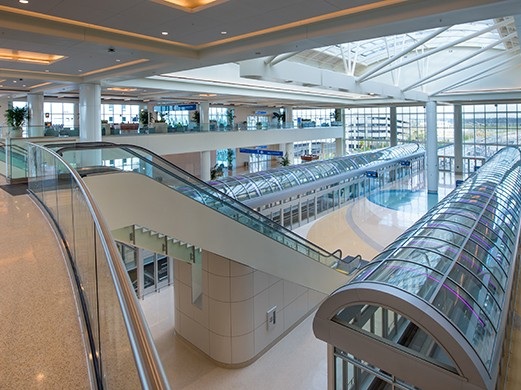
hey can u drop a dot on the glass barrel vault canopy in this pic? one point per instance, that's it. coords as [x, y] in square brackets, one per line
[252, 185]
[450, 275]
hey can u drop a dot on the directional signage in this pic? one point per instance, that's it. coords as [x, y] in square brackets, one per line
[405, 163]
[262, 151]
[371, 174]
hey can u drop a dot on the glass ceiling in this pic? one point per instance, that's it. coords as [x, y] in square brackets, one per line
[366, 53]
[459, 258]
[252, 185]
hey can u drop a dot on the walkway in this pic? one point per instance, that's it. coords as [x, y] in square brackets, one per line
[41, 342]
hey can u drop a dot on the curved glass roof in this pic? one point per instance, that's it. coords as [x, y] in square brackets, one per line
[459, 257]
[475, 35]
[252, 185]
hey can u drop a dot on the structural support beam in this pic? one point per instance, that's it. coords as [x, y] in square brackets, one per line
[432, 148]
[458, 140]
[402, 53]
[394, 126]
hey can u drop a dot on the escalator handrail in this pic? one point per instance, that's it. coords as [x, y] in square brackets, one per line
[147, 360]
[209, 191]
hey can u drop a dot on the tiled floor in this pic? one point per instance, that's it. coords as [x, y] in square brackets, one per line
[41, 344]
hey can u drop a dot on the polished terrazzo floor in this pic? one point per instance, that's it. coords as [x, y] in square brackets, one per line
[41, 342]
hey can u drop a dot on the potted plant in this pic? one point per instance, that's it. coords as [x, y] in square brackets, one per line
[16, 117]
[284, 161]
[143, 117]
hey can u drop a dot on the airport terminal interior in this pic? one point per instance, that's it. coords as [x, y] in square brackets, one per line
[253, 194]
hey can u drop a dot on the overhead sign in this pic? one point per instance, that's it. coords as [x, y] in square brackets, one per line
[262, 151]
[177, 107]
[405, 163]
[261, 112]
[371, 174]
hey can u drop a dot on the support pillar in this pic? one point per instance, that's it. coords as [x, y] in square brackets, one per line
[288, 113]
[289, 151]
[36, 123]
[205, 165]
[204, 115]
[432, 148]
[394, 127]
[458, 140]
[90, 112]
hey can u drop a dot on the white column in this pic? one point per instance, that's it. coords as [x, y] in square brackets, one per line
[393, 127]
[4, 105]
[339, 147]
[76, 118]
[205, 165]
[432, 148]
[36, 123]
[289, 150]
[90, 112]
[288, 113]
[458, 140]
[204, 115]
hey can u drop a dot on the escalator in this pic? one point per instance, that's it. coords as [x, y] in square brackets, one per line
[134, 187]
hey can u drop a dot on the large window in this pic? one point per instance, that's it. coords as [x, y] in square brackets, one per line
[316, 117]
[120, 113]
[489, 127]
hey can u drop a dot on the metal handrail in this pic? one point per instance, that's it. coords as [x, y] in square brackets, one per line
[207, 190]
[147, 360]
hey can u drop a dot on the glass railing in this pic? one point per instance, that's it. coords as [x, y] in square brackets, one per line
[139, 160]
[123, 355]
[13, 153]
[158, 128]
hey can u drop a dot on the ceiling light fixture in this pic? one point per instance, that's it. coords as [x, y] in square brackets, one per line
[23, 1]
[190, 5]
[164, 33]
[29, 57]
[121, 89]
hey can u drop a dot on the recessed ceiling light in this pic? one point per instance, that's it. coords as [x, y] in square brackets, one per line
[14, 81]
[118, 60]
[224, 32]
[164, 33]
[80, 70]
[29, 56]
[23, 1]
[190, 5]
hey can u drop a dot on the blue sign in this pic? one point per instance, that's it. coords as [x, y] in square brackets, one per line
[261, 112]
[262, 151]
[371, 174]
[405, 163]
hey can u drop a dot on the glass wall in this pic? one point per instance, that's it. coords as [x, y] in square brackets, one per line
[316, 117]
[120, 113]
[59, 113]
[486, 128]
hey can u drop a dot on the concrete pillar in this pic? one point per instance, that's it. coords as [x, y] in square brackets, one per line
[458, 140]
[76, 118]
[206, 165]
[289, 150]
[36, 123]
[288, 111]
[90, 112]
[394, 127]
[204, 115]
[432, 148]
[4, 105]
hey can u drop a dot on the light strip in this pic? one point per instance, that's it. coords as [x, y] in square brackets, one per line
[118, 66]
[29, 57]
